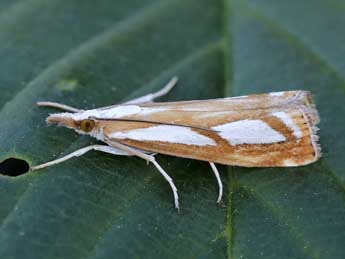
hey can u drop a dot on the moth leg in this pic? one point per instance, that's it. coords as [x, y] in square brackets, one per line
[170, 181]
[149, 158]
[216, 173]
[80, 152]
[59, 106]
[152, 96]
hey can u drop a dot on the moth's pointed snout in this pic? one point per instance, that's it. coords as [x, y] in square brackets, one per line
[61, 119]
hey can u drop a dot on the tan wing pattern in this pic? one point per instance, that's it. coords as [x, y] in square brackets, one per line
[266, 130]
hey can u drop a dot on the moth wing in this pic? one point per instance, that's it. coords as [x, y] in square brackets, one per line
[269, 133]
[248, 102]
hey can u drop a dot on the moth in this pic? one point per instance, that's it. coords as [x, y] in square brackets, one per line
[264, 130]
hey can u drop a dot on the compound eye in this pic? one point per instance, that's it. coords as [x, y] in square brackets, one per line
[87, 125]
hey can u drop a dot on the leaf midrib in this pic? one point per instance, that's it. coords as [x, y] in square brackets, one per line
[294, 40]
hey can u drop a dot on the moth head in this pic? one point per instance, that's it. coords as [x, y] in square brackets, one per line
[72, 121]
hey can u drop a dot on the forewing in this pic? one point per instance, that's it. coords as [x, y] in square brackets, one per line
[262, 130]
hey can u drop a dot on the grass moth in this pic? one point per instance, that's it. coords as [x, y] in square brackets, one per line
[265, 130]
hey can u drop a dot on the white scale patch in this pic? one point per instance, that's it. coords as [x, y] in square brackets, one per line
[236, 97]
[286, 119]
[289, 162]
[249, 132]
[116, 112]
[166, 133]
[277, 94]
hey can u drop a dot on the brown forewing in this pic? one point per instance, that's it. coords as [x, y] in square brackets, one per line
[206, 114]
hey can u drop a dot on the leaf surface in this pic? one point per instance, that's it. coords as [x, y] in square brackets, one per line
[101, 206]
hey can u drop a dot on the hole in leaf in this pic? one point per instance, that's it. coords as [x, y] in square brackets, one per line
[14, 167]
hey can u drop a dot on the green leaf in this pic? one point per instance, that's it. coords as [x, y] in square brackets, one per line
[90, 54]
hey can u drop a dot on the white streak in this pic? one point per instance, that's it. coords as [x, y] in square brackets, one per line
[166, 133]
[236, 97]
[249, 132]
[146, 111]
[290, 162]
[120, 111]
[286, 119]
[277, 93]
[116, 112]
